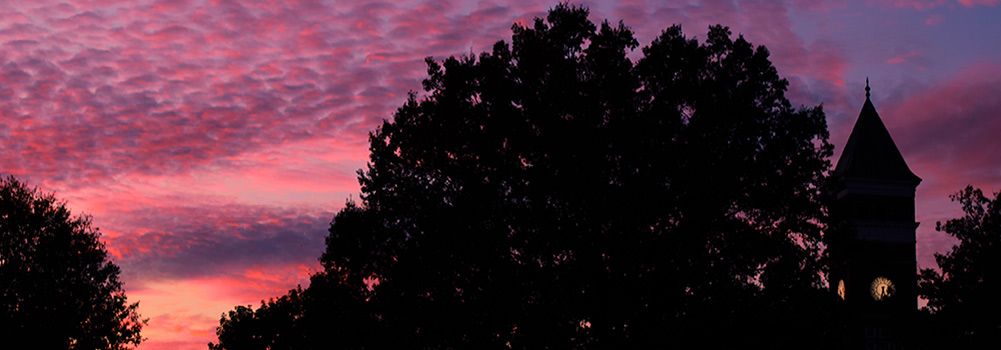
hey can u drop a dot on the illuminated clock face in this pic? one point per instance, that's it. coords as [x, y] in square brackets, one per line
[882, 288]
[841, 289]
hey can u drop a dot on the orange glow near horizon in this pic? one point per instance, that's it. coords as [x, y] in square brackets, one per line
[186, 311]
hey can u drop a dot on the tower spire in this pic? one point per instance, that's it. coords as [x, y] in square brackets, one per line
[870, 152]
[866, 88]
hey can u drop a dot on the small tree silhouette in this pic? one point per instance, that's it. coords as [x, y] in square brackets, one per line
[963, 297]
[60, 290]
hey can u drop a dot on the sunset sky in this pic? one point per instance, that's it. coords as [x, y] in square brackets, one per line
[213, 141]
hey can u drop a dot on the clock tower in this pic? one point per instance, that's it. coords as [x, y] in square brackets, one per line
[871, 239]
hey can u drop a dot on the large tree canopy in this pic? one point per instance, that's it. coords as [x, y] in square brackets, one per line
[553, 193]
[60, 290]
[963, 297]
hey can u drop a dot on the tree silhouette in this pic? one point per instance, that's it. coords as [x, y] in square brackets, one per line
[551, 193]
[60, 290]
[272, 326]
[963, 297]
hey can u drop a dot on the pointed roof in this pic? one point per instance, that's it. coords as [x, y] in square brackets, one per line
[870, 152]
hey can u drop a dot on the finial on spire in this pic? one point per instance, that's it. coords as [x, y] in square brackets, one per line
[867, 88]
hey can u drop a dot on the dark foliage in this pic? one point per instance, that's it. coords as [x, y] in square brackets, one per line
[963, 297]
[60, 290]
[552, 193]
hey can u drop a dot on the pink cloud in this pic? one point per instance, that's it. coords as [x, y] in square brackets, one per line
[902, 58]
[820, 5]
[915, 4]
[934, 20]
[820, 61]
[162, 107]
[972, 3]
[921, 5]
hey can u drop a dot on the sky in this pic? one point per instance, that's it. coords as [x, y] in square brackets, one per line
[212, 141]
